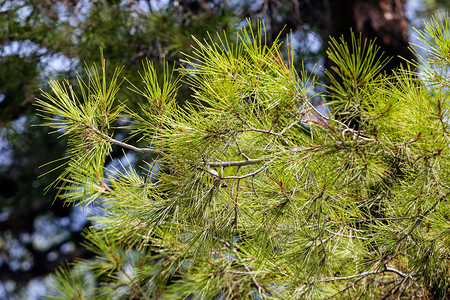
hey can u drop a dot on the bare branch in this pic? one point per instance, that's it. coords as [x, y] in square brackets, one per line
[125, 145]
[365, 274]
[347, 236]
[246, 175]
[239, 163]
[240, 151]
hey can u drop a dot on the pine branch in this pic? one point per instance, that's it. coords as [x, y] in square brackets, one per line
[125, 145]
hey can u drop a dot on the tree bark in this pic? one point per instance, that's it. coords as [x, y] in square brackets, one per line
[383, 20]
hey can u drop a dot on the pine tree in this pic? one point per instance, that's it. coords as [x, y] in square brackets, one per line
[249, 190]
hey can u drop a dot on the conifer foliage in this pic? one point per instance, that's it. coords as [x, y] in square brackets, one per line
[249, 190]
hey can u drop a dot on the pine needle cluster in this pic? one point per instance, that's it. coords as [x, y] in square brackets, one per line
[250, 190]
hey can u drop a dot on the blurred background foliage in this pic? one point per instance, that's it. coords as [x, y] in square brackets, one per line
[42, 40]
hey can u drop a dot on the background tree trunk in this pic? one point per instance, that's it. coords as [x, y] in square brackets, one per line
[383, 20]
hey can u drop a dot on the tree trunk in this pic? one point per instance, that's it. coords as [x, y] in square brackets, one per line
[383, 20]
